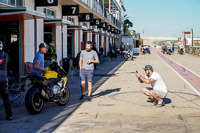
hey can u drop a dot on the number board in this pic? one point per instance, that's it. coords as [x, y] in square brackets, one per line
[85, 17]
[105, 26]
[96, 22]
[116, 31]
[109, 28]
[71, 10]
[46, 2]
[113, 30]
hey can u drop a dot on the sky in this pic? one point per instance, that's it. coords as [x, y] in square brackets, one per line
[164, 18]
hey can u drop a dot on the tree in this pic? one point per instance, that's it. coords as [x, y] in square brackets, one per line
[127, 24]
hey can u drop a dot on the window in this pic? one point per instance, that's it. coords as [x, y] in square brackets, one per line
[16, 3]
[49, 13]
[11, 2]
[70, 19]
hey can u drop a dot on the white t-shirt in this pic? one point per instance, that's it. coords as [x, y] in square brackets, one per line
[181, 46]
[159, 83]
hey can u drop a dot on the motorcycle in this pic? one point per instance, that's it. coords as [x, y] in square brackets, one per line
[146, 50]
[164, 50]
[49, 87]
[181, 52]
[128, 55]
[169, 50]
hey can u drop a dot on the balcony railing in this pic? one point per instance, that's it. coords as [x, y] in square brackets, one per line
[97, 7]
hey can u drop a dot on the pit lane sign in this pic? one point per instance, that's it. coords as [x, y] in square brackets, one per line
[71, 10]
[86, 17]
[46, 2]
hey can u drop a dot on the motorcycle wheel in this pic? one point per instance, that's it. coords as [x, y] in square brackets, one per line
[181, 52]
[64, 98]
[125, 57]
[34, 101]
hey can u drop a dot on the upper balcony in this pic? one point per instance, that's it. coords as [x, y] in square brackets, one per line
[110, 11]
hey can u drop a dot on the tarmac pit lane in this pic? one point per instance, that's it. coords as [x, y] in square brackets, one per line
[122, 96]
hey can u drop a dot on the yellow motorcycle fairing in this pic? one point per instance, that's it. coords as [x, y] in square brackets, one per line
[50, 74]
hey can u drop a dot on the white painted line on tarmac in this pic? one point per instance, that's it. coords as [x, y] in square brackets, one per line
[183, 66]
[181, 77]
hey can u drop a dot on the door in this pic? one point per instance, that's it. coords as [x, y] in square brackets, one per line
[70, 43]
[11, 38]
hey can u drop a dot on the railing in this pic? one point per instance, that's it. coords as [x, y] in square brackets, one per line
[195, 50]
[16, 3]
[97, 7]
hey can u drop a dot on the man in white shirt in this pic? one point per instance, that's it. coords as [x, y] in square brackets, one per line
[158, 90]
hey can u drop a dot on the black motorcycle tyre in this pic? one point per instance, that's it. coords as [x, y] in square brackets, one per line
[125, 57]
[62, 101]
[31, 99]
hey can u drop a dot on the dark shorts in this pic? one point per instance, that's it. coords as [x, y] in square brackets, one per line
[86, 75]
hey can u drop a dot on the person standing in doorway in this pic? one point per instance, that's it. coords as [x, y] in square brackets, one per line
[4, 82]
[122, 48]
[87, 60]
[95, 49]
[101, 54]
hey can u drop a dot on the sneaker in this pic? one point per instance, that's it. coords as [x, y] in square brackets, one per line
[82, 96]
[9, 118]
[89, 98]
[160, 104]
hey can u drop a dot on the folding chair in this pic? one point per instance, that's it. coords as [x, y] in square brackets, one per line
[17, 91]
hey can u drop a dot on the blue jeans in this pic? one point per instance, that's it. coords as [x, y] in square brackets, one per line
[101, 58]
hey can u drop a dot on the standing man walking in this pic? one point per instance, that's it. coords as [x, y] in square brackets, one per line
[87, 60]
[4, 82]
[173, 46]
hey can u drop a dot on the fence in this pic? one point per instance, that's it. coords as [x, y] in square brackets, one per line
[195, 50]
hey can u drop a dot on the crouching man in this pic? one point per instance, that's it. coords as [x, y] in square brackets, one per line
[158, 90]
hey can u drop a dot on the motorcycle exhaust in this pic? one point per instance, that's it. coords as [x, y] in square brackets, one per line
[44, 94]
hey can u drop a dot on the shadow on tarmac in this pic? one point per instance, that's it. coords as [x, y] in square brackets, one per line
[106, 92]
[52, 115]
[166, 100]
